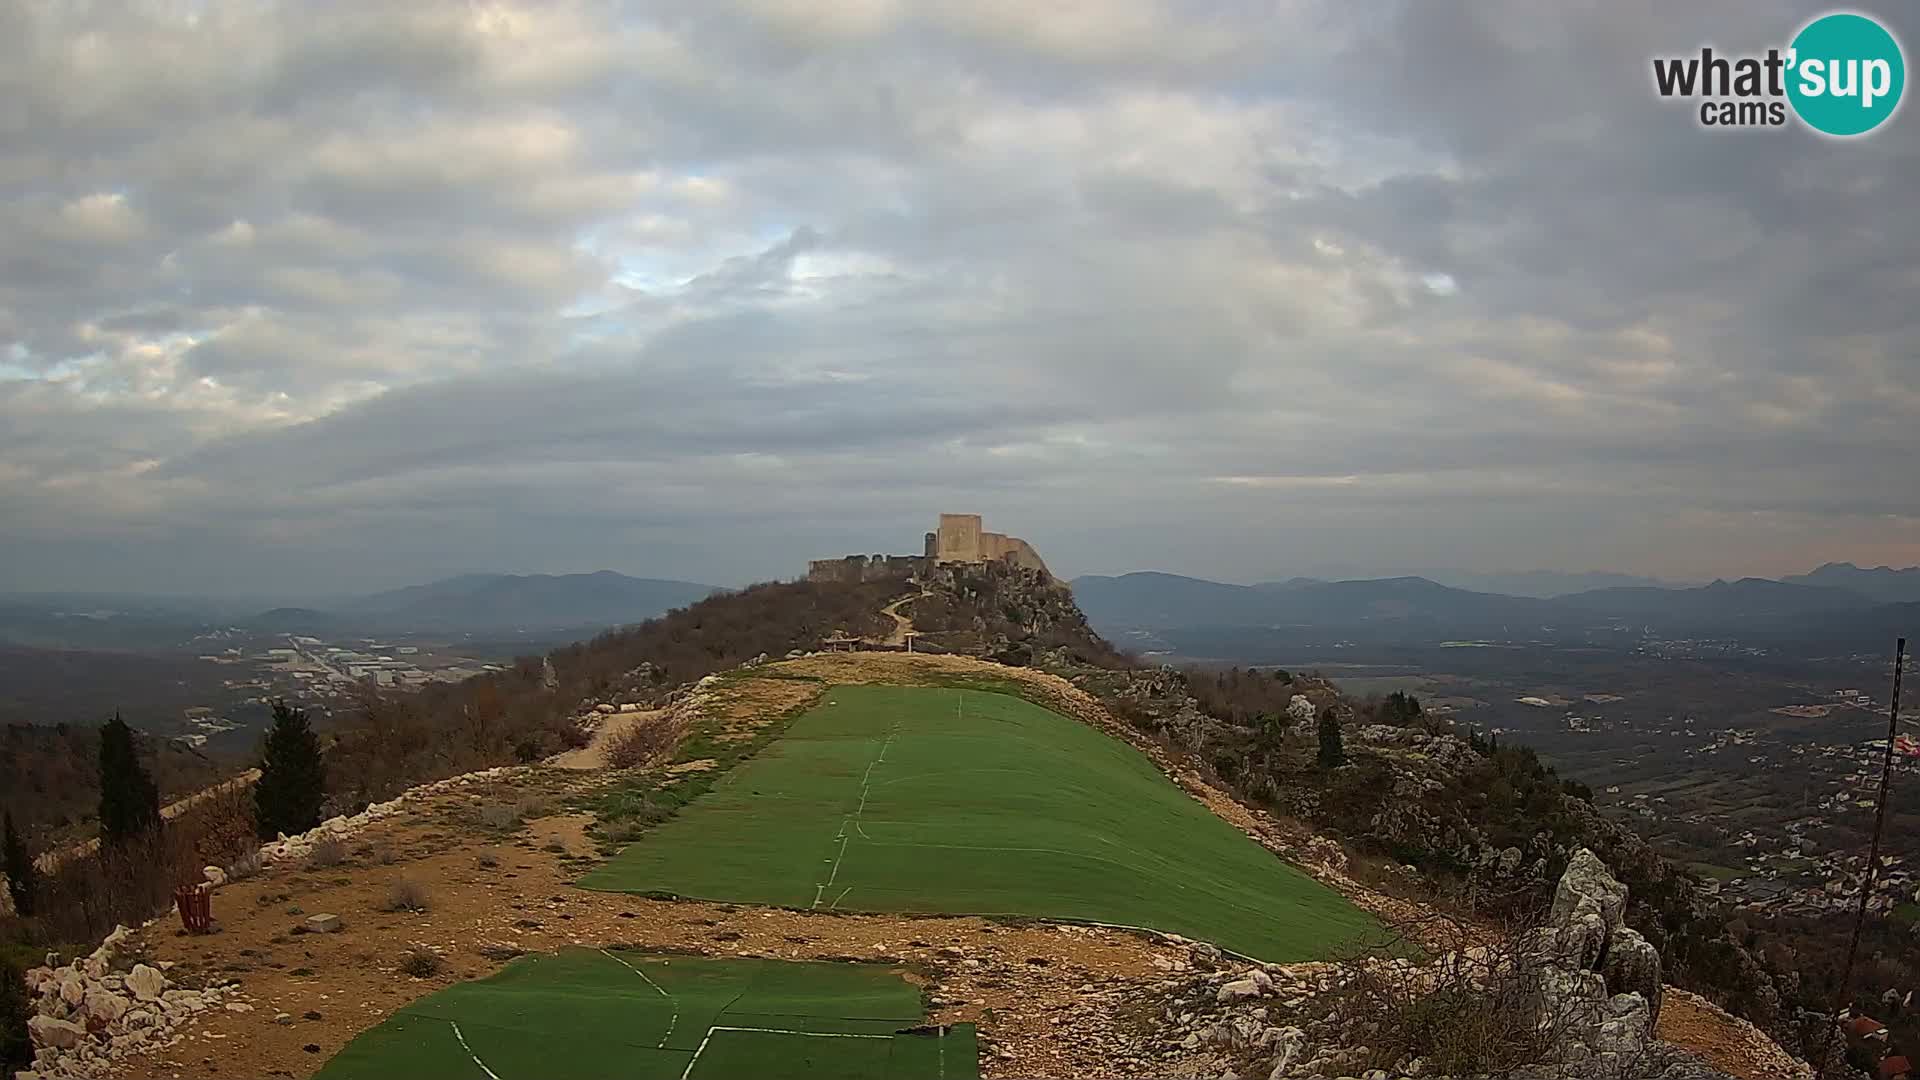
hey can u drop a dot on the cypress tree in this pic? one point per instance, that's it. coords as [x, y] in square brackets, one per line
[1333, 752]
[293, 775]
[16, 1040]
[19, 869]
[129, 801]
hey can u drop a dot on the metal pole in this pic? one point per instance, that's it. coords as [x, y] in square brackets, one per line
[1873, 850]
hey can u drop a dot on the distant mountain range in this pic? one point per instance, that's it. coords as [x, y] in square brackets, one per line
[1408, 608]
[1880, 583]
[478, 603]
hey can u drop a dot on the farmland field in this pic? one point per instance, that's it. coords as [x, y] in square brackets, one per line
[601, 1015]
[915, 799]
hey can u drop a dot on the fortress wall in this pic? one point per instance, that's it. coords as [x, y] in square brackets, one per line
[858, 568]
[1014, 550]
[959, 538]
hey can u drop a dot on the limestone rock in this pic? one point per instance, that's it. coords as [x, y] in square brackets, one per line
[1587, 886]
[59, 1034]
[106, 1005]
[324, 924]
[146, 983]
[1633, 967]
[1237, 990]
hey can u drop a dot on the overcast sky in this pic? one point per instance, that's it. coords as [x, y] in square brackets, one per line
[330, 297]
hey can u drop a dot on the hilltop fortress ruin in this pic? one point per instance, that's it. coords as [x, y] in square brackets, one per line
[959, 539]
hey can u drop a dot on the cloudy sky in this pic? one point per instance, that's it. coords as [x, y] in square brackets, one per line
[316, 297]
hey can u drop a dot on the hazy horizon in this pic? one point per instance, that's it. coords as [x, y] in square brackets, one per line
[307, 300]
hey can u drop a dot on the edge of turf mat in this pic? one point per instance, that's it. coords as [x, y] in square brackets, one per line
[631, 806]
[640, 1015]
[1069, 824]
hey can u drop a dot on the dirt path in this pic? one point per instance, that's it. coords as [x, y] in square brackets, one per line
[594, 754]
[902, 626]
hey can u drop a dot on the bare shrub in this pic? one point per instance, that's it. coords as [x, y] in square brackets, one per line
[86, 894]
[643, 743]
[1478, 1009]
[406, 894]
[247, 865]
[327, 852]
[488, 860]
[421, 963]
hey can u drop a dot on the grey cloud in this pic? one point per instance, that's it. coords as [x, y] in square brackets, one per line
[673, 288]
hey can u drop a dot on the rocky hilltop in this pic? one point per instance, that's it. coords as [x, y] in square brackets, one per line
[1528, 938]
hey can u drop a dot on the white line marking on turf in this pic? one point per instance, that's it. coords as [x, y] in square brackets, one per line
[663, 993]
[837, 899]
[866, 783]
[688, 1071]
[469, 1050]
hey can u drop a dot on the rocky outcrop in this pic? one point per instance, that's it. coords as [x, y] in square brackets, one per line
[1587, 935]
[1590, 982]
[89, 1014]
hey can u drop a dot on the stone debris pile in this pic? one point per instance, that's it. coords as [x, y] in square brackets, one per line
[89, 1014]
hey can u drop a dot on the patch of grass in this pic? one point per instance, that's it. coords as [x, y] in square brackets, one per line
[886, 798]
[1717, 873]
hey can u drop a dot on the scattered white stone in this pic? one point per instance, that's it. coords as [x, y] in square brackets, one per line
[106, 1005]
[58, 1034]
[324, 923]
[145, 982]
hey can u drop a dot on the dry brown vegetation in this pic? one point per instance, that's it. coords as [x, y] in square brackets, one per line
[88, 892]
[53, 783]
[643, 743]
[406, 894]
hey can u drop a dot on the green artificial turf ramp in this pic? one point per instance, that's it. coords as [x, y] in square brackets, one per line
[888, 798]
[618, 1015]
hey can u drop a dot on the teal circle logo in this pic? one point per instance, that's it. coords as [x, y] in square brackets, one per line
[1846, 74]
